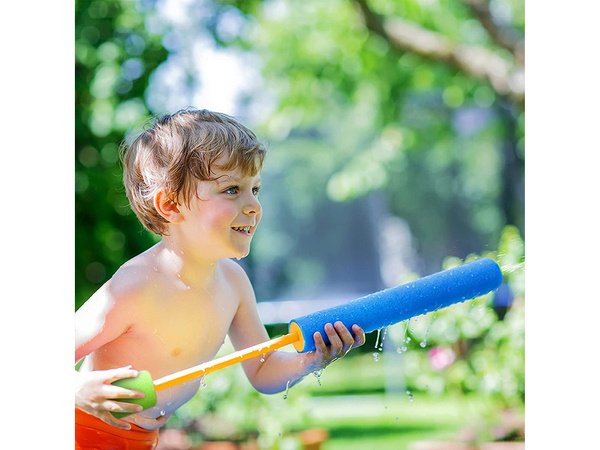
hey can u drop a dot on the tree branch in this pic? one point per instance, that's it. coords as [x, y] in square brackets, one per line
[505, 78]
[503, 36]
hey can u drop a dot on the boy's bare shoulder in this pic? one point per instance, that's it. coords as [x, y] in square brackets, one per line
[235, 274]
[131, 281]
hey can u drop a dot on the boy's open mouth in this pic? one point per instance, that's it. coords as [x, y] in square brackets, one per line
[245, 230]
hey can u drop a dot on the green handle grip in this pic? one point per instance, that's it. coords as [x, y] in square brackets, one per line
[143, 382]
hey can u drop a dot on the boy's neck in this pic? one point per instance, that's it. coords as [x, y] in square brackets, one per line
[184, 265]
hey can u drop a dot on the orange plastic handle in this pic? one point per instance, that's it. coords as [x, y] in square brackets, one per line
[211, 366]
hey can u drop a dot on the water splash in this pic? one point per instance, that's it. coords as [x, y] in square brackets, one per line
[162, 413]
[287, 389]
[377, 340]
[376, 356]
[202, 383]
[382, 339]
[410, 396]
[510, 268]
[471, 306]
[317, 375]
[423, 343]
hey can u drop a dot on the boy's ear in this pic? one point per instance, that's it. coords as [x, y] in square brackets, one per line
[167, 207]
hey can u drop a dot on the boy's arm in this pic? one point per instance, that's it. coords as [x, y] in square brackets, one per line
[100, 320]
[280, 370]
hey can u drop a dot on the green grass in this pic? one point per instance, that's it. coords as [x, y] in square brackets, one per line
[352, 404]
[354, 374]
[392, 421]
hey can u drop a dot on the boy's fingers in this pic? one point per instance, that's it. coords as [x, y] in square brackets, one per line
[111, 391]
[359, 335]
[120, 373]
[129, 408]
[319, 342]
[121, 407]
[343, 332]
[111, 420]
[334, 339]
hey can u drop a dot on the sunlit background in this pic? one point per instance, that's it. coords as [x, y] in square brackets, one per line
[395, 135]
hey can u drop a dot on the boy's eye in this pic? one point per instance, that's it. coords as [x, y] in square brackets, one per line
[232, 190]
[256, 190]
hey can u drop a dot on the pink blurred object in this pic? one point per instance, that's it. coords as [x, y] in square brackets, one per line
[440, 358]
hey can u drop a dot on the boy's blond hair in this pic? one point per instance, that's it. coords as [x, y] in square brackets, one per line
[176, 150]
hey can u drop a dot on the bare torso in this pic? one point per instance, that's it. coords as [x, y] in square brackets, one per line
[171, 326]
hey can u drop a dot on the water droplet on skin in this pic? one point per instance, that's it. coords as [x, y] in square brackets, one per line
[162, 413]
[262, 359]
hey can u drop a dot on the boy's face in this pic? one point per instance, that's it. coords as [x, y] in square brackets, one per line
[221, 219]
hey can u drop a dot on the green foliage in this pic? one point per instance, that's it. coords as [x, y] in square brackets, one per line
[345, 114]
[115, 55]
[435, 140]
[469, 349]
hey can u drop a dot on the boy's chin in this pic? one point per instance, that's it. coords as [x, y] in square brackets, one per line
[241, 254]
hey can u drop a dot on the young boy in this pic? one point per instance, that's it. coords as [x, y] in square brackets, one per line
[192, 177]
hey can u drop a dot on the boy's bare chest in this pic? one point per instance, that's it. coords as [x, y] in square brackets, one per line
[183, 330]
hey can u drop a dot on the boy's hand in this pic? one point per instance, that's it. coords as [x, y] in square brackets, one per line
[94, 392]
[341, 342]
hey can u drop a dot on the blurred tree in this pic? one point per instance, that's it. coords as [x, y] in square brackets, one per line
[115, 54]
[422, 101]
[414, 108]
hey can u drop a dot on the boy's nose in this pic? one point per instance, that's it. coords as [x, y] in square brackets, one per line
[252, 207]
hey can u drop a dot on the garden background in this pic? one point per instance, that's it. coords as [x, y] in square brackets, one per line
[395, 135]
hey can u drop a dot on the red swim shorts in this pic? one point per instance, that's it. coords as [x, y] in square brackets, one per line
[93, 433]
